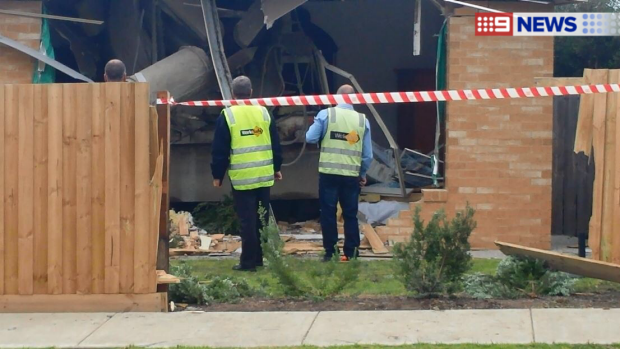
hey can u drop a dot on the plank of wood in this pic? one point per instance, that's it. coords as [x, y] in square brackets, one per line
[153, 140]
[365, 244]
[112, 112]
[2, 168]
[98, 188]
[84, 237]
[11, 163]
[217, 237]
[155, 219]
[127, 185]
[69, 179]
[144, 235]
[567, 263]
[165, 278]
[163, 111]
[183, 228]
[560, 142]
[296, 247]
[55, 190]
[26, 190]
[608, 177]
[373, 238]
[598, 141]
[615, 240]
[75, 303]
[583, 139]
[40, 189]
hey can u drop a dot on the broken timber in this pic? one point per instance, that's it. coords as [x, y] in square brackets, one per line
[374, 240]
[566, 263]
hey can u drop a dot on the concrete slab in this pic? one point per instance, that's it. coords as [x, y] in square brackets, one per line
[576, 326]
[203, 329]
[48, 330]
[409, 327]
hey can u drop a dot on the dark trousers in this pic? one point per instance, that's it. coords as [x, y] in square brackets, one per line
[346, 190]
[246, 206]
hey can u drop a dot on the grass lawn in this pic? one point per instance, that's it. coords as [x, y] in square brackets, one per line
[377, 277]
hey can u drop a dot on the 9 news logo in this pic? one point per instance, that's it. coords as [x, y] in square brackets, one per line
[547, 24]
[493, 24]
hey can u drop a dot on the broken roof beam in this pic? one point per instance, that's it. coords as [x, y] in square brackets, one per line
[40, 15]
[43, 58]
[274, 9]
[216, 47]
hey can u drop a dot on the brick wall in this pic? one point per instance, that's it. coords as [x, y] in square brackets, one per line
[498, 153]
[17, 67]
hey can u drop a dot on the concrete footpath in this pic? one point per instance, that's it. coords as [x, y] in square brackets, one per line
[574, 326]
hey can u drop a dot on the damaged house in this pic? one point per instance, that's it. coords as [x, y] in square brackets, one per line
[496, 155]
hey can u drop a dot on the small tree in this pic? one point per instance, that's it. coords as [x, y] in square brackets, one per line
[318, 281]
[436, 256]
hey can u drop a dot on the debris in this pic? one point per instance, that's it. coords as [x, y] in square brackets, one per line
[566, 263]
[217, 237]
[165, 278]
[381, 211]
[205, 243]
[297, 247]
[374, 240]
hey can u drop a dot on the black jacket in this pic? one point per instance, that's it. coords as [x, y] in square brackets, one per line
[220, 151]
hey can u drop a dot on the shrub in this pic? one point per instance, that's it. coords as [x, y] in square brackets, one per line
[217, 217]
[518, 277]
[215, 289]
[436, 256]
[319, 281]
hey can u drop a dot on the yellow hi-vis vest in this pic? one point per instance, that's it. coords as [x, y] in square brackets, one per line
[251, 157]
[341, 147]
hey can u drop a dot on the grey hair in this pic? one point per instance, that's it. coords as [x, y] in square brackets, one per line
[242, 87]
[115, 70]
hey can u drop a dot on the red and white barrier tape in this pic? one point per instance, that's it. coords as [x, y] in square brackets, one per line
[408, 97]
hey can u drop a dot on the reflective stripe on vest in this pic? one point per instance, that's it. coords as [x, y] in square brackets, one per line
[251, 158]
[341, 147]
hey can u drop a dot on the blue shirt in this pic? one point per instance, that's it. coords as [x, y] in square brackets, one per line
[318, 129]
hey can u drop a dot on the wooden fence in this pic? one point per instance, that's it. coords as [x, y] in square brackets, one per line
[597, 129]
[573, 174]
[80, 192]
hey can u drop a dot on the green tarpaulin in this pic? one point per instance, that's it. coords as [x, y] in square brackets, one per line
[440, 76]
[43, 73]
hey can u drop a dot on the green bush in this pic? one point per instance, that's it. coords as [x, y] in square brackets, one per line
[436, 256]
[217, 217]
[319, 281]
[518, 277]
[216, 289]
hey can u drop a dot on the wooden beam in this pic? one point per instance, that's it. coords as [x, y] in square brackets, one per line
[165, 278]
[566, 263]
[163, 257]
[77, 303]
[40, 15]
[374, 239]
[598, 143]
[608, 175]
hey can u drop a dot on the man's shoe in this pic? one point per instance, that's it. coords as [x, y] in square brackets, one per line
[327, 258]
[239, 267]
[344, 259]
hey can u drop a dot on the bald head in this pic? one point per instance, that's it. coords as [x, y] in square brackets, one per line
[242, 87]
[115, 71]
[345, 90]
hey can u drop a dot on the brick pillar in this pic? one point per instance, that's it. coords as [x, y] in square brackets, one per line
[17, 67]
[498, 153]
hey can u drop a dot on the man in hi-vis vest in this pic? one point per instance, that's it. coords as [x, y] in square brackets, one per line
[246, 144]
[346, 154]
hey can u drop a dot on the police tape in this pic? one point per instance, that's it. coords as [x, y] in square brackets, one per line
[408, 97]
